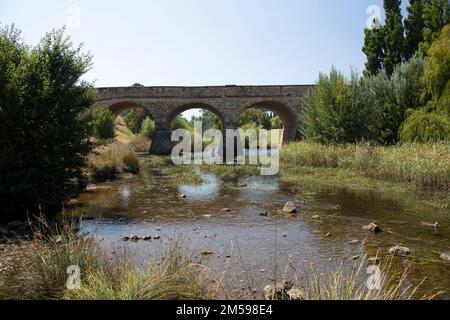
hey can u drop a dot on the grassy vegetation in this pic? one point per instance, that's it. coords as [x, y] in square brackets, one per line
[231, 173]
[108, 161]
[43, 273]
[425, 167]
[345, 283]
[176, 174]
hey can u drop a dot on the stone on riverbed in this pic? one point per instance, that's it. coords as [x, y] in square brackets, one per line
[157, 237]
[207, 253]
[125, 238]
[278, 291]
[290, 208]
[446, 256]
[146, 238]
[226, 209]
[355, 241]
[372, 228]
[399, 251]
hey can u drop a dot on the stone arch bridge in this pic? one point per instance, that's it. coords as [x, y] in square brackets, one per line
[163, 104]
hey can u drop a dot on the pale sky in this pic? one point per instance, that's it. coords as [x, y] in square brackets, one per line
[203, 42]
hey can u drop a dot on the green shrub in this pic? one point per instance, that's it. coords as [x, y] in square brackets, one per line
[181, 123]
[425, 127]
[101, 122]
[134, 119]
[44, 140]
[276, 123]
[334, 111]
[148, 128]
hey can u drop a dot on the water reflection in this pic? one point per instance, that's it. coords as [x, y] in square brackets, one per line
[255, 233]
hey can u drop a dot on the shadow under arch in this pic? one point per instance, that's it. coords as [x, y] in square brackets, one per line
[119, 107]
[287, 116]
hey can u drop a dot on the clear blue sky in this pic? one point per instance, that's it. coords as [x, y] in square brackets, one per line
[204, 42]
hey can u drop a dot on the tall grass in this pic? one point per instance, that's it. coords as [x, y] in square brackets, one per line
[42, 274]
[351, 283]
[420, 165]
[106, 162]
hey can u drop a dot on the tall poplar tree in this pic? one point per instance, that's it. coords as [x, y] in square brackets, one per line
[436, 14]
[393, 35]
[373, 48]
[414, 26]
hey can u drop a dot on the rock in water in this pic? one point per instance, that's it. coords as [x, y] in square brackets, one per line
[399, 251]
[446, 256]
[157, 237]
[372, 228]
[207, 253]
[134, 238]
[355, 242]
[146, 238]
[125, 238]
[278, 291]
[290, 208]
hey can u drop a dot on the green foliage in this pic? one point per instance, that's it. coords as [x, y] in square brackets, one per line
[391, 97]
[44, 140]
[134, 119]
[414, 26]
[258, 117]
[181, 123]
[276, 123]
[393, 35]
[148, 128]
[334, 112]
[437, 72]
[101, 122]
[436, 14]
[373, 49]
[208, 119]
[425, 127]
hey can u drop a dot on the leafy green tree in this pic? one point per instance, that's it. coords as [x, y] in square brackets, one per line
[208, 119]
[393, 35]
[134, 119]
[259, 117]
[373, 49]
[102, 123]
[148, 128]
[437, 72]
[276, 123]
[335, 111]
[392, 96]
[44, 140]
[436, 14]
[181, 123]
[414, 26]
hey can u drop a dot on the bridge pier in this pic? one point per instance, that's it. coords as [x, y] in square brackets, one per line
[161, 143]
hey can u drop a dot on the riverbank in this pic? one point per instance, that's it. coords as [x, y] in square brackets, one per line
[415, 167]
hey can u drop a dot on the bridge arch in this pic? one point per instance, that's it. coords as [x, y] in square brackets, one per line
[194, 105]
[288, 116]
[118, 107]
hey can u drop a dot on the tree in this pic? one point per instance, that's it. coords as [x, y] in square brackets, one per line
[437, 72]
[436, 14]
[134, 119]
[148, 128]
[336, 112]
[373, 49]
[258, 117]
[414, 26]
[43, 138]
[393, 35]
[102, 123]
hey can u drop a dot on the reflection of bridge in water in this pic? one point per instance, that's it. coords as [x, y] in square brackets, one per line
[163, 104]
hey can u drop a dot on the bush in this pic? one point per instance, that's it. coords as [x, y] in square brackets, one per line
[335, 113]
[134, 119]
[276, 123]
[102, 123]
[148, 128]
[140, 143]
[43, 138]
[181, 123]
[425, 127]
[130, 163]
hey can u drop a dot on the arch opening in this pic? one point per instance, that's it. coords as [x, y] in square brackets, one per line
[270, 115]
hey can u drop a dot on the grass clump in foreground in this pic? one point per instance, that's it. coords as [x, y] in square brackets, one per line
[419, 165]
[355, 283]
[42, 274]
